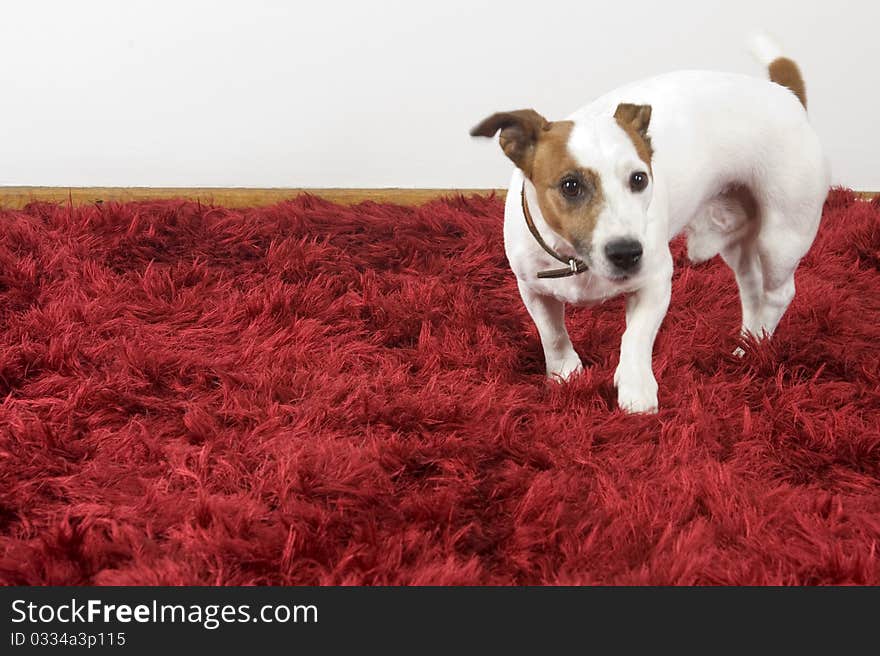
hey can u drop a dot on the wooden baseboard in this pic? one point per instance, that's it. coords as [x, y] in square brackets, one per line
[18, 197]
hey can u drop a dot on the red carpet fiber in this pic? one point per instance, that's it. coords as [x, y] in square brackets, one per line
[316, 394]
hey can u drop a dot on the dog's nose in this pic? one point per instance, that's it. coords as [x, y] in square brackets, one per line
[624, 253]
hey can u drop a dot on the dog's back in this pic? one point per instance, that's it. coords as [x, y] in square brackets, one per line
[714, 130]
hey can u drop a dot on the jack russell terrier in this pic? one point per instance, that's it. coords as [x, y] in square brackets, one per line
[730, 159]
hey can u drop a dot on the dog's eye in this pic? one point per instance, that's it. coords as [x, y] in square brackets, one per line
[638, 181]
[570, 187]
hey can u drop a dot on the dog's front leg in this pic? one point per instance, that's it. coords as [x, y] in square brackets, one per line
[548, 314]
[645, 309]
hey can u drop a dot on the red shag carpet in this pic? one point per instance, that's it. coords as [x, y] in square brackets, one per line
[317, 394]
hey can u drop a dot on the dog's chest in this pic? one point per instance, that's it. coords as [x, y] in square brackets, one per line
[584, 289]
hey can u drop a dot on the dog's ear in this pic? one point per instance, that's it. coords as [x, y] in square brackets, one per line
[520, 131]
[635, 117]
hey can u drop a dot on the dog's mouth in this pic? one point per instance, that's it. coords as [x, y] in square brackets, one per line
[619, 277]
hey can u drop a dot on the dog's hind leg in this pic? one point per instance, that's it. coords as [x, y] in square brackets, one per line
[548, 314]
[728, 225]
[742, 258]
[777, 270]
[781, 247]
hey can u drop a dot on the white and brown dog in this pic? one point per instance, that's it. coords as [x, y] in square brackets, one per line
[730, 159]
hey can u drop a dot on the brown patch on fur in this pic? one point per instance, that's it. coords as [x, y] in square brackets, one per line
[785, 72]
[634, 120]
[540, 149]
[576, 219]
[573, 219]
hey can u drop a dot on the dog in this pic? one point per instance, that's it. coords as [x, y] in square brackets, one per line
[729, 159]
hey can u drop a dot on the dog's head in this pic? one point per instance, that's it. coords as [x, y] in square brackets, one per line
[593, 179]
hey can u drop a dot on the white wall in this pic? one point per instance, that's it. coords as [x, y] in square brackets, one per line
[369, 94]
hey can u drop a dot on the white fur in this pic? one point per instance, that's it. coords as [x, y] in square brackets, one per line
[709, 131]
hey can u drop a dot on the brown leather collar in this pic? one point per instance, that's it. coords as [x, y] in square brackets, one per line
[574, 265]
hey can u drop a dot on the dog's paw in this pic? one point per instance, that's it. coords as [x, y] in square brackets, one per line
[637, 399]
[564, 368]
[636, 393]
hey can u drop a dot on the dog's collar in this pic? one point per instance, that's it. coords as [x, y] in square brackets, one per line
[574, 265]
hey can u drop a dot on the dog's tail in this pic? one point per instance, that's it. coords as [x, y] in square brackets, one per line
[782, 69]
